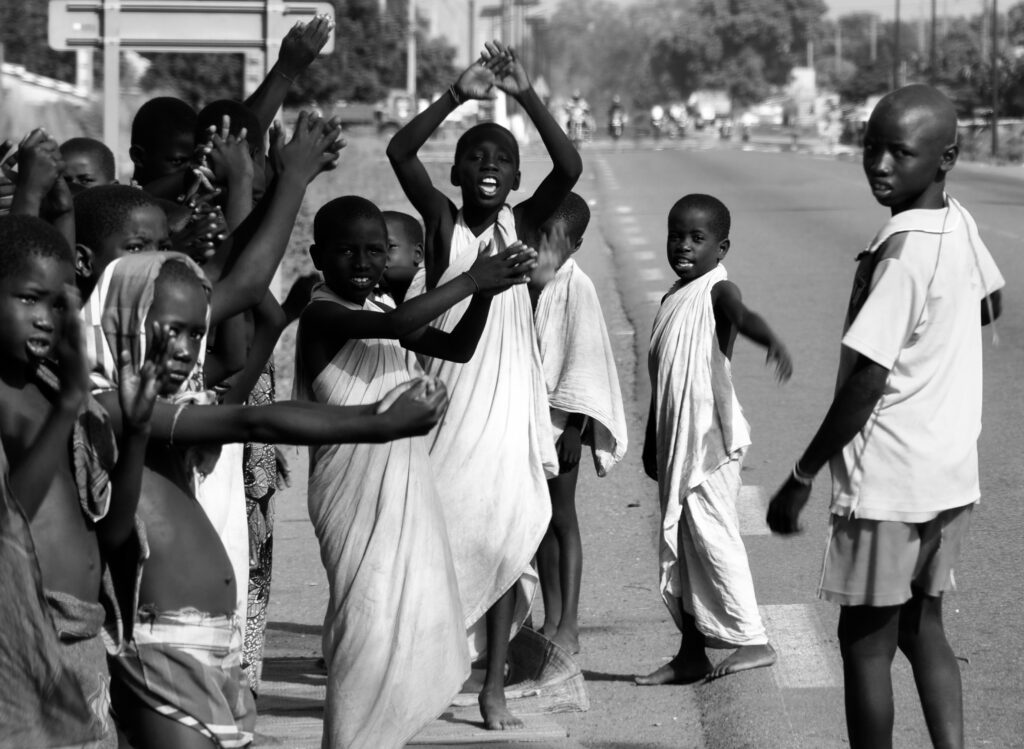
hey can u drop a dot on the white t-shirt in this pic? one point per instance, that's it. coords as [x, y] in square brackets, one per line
[915, 311]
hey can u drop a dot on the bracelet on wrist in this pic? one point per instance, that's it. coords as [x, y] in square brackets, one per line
[290, 80]
[455, 95]
[469, 275]
[802, 477]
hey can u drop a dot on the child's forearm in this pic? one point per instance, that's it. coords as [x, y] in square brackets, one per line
[269, 95]
[247, 279]
[407, 142]
[565, 158]
[126, 486]
[239, 201]
[465, 336]
[753, 327]
[270, 320]
[853, 405]
[420, 310]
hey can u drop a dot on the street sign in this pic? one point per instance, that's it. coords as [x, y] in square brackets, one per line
[252, 27]
[181, 26]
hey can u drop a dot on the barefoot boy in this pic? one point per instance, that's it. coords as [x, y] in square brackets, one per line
[494, 449]
[586, 407]
[394, 661]
[694, 447]
[901, 434]
[79, 495]
[179, 681]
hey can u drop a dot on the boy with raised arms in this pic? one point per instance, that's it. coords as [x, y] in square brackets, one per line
[493, 451]
[901, 434]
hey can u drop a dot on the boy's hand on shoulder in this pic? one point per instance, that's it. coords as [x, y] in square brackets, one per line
[415, 407]
[314, 147]
[138, 389]
[302, 44]
[509, 74]
[495, 273]
[784, 509]
[69, 352]
[779, 356]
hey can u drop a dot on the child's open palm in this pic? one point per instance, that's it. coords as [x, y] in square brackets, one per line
[138, 389]
[509, 74]
[476, 82]
[303, 43]
[495, 273]
[314, 146]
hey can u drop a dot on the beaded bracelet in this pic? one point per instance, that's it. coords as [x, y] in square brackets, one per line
[455, 95]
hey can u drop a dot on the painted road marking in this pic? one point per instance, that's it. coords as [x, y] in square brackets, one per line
[808, 657]
[644, 255]
[751, 507]
[637, 240]
[623, 209]
[649, 274]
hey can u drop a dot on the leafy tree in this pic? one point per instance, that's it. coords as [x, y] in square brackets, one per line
[23, 33]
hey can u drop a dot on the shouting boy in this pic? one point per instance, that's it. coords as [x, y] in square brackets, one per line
[902, 489]
[494, 449]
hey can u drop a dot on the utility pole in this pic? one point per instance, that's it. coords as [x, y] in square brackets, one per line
[995, 78]
[471, 49]
[933, 65]
[410, 57]
[896, 48]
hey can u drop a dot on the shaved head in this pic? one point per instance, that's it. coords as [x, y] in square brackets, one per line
[924, 105]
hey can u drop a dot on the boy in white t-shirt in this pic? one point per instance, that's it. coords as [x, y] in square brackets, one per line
[901, 434]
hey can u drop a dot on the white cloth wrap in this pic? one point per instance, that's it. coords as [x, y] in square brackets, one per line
[699, 429]
[579, 365]
[393, 634]
[493, 450]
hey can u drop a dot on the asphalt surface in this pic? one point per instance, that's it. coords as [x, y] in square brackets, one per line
[798, 221]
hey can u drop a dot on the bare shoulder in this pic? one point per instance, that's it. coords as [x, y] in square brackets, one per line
[726, 292]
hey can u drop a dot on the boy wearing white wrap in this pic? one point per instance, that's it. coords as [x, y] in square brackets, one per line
[493, 451]
[586, 405]
[393, 641]
[694, 446]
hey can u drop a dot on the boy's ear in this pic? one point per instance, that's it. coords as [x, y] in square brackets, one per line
[949, 157]
[314, 255]
[137, 154]
[723, 248]
[417, 253]
[515, 182]
[83, 261]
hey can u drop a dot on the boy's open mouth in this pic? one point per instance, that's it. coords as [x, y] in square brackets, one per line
[38, 347]
[362, 282]
[489, 186]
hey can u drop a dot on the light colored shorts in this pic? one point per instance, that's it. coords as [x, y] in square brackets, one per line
[879, 562]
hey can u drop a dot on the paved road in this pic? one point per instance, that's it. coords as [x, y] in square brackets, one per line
[797, 223]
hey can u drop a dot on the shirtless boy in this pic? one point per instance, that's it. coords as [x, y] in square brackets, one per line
[496, 437]
[694, 446]
[81, 512]
[901, 434]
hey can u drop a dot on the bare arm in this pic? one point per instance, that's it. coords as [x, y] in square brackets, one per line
[991, 314]
[268, 321]
[851, 408]
[312, 149]
[727, 301]
[460, 344]
[650, 454]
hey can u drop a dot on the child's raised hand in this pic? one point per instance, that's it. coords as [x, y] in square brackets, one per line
[476, 82]
[302, 44]
[69, 351]
[509, 74]
[779, 356]
[200, 236]
[229, 156]
[314, 147]
[39, 163]
[555, 248]
[138, 389]
[495, 273]
[415, 407]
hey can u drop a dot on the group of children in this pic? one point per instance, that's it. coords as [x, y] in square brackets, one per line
[447, 379]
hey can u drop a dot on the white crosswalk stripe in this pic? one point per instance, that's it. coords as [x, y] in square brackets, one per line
[808, 656]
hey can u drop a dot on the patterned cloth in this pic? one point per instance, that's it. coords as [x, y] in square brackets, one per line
[187, 666]
[41, 703]
[260, 473]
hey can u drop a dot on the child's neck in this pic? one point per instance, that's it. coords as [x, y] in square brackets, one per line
[479, 219]
[17, 374]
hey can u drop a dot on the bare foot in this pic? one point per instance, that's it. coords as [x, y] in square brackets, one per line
[495, 712]
[743, 659]
[567, 641]
[683, 669]
[549, 630]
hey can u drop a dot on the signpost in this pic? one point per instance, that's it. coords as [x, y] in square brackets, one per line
[250, 27]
